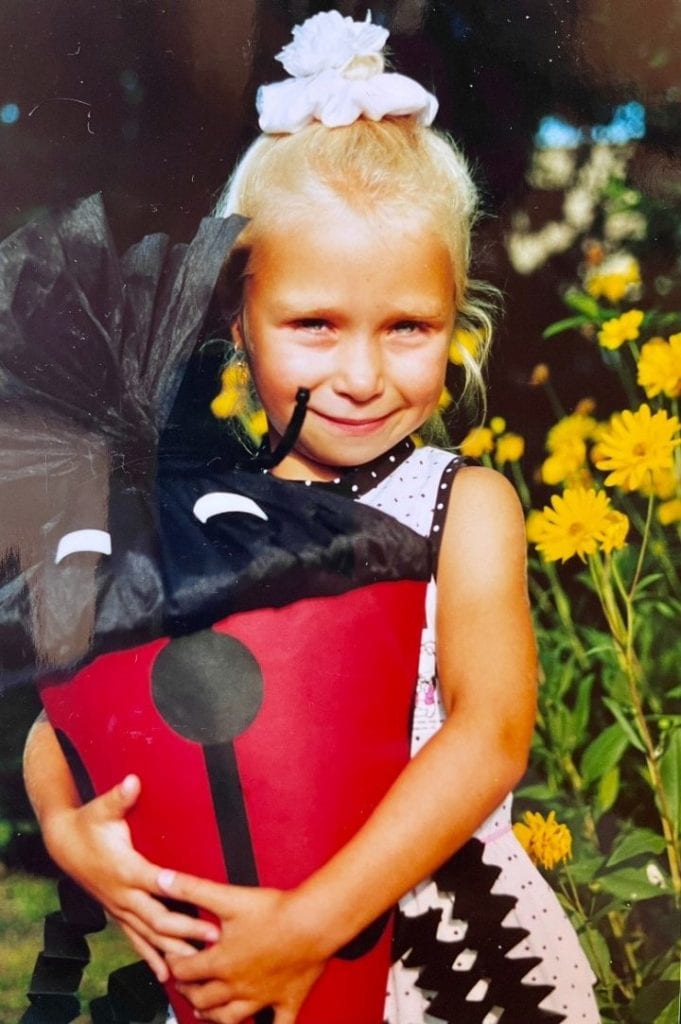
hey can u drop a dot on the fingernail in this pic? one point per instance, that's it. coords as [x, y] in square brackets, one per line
[165, 879]
[212, 935]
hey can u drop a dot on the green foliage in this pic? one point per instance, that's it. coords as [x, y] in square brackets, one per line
[607, 749]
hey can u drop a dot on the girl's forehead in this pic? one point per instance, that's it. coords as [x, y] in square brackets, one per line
[337, 226]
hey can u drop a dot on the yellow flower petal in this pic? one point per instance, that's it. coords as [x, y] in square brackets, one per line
[574, 524]
[623, 328]
[659, 367]
[510, 448]
[478, 441]
[636, 445]
[546, 841]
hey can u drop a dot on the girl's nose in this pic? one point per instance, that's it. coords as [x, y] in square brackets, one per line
[359, 374]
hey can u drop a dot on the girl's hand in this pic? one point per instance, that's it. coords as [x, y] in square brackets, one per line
[92, 843]
[265, 956]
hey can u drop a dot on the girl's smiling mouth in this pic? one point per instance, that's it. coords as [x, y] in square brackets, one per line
[352, 424]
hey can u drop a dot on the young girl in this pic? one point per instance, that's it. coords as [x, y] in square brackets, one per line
[356, 258]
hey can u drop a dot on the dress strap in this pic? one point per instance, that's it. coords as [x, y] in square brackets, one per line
[444, 491]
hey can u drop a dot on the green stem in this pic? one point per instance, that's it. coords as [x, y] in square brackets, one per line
[623, 632]
[556, 408]
[606, 975]
[643, 550]
[562, 604]
[521, 486]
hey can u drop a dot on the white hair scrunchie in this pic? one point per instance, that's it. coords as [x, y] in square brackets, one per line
[337, 77]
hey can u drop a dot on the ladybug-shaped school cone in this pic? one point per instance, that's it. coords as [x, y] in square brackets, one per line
[273, 714]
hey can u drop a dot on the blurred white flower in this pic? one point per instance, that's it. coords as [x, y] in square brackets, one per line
[654, 875]
[552, 168]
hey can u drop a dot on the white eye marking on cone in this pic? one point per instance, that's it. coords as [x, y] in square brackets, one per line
[217, 502]
[83, 540]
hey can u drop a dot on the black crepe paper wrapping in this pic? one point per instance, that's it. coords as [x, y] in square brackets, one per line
[91, 352]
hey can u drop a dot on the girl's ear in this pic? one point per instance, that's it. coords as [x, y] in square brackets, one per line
[237, 333]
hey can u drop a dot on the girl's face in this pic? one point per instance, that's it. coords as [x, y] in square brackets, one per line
[361, 313]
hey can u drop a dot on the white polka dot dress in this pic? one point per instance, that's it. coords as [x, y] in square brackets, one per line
[486, 939]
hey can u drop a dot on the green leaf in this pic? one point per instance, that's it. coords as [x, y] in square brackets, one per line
[630, 885]
[596, 949]
[564, 325]
[608, 789]
[583, 704]
[603, 754]
[585, 304]
[672, 1013]
[652, 1000]
[648, 580]
[635, 843]
[583, 869]
[540, 791]
[625, 724]
[670, 770]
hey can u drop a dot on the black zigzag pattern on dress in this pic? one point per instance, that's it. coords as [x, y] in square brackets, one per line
[468, 881]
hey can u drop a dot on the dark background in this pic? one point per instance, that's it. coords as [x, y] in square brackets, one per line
[151, 101]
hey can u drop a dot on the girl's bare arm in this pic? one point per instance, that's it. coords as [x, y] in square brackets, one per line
[91, 842]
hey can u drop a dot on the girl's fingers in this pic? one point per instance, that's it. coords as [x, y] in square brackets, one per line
[117, 801]
[166, 944]
[148, 953]
[194, 890]
[210, 996]
[233, 1013]
[164, 923]
[284, 1015]
[198, 968]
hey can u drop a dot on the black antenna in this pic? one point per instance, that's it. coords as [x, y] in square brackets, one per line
[268, 460]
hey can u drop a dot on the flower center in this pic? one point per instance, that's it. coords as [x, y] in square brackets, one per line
[639, 449]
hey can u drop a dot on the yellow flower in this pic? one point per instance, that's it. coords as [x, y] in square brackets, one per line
[498, 424]
[478, 441]
[669, 512]
[546, 841]
[540, 375]
[623, 328]
[570, 428]
[510, 448]
[463, 343]
[232, 399]
[575, 525]
[565, 465]
[566, 442]
[534, 526]
[615, 276]
[659, 368]
[635, 445]
[585, 406]
[255, 425]
[615, 531]
[663, 483]
[445, 399]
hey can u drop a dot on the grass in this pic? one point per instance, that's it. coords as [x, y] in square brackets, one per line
[24, 901]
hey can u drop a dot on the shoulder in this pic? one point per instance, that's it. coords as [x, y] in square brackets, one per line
[484, 532]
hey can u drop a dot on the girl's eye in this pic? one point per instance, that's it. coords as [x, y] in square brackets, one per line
[408, 327]
[311, 324]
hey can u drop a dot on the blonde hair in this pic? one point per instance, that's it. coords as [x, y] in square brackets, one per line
[375, 167]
